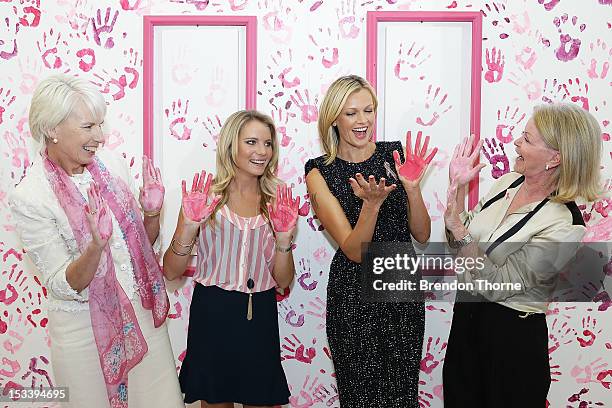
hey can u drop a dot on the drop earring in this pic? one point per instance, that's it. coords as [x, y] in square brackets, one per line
[546, 167]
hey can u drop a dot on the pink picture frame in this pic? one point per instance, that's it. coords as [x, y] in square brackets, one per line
[150, 22]
[475, 18]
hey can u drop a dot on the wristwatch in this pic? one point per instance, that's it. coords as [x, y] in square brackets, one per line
[464, 241]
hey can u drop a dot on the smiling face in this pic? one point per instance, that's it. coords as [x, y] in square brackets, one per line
[355, 123]
[254, 148]
[78, 138]
[533, 153]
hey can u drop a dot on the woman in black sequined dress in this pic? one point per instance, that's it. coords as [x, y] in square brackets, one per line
[359, 196]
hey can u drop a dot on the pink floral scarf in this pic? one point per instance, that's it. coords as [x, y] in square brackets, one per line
[118, 337]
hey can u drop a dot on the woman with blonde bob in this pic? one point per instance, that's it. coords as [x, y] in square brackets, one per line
[375, 346]
[244, 231]
[526, 228]
[91, 239]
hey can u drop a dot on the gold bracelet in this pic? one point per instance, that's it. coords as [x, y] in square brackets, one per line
[186, 245]
[151, 214]
[179, 253]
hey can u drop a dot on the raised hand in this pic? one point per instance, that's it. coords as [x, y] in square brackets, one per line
[369, 191]
[98, 216]
[195, 204]
[152, 190]
[284, 211]
[412, 170]
[462, 168]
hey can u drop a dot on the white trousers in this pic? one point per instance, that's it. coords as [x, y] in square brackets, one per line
[74, 357]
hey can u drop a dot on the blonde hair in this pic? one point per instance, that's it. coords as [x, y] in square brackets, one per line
[54, 100]
[576, 135]
[331, 107]
[226, 163]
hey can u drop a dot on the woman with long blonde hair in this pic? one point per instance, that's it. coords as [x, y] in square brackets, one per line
[244, 231]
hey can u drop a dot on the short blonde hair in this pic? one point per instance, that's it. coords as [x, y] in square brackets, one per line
[54, 100]
[576, 135]
[331, 107]
[227, 150]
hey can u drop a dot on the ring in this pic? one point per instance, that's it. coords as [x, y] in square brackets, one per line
[93, 212]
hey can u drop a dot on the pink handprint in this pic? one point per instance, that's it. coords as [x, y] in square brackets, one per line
[589, 332]
[586, 372]
[5, 102]
[310, 112]
[297, 350]
[496, 155]
[305, 267]
[327, 394]
[290, 316]
[183, 70]
[125, 5]
[279, 21]
[107, 26]
[87, 59]
[115, 137]
[346, 19]
[526, 58]
[31, 13]
[282, 62]
[119, 82]
[577, 93]
[8, 38]
[498, 18]
[284, 211]
[531, 87]
[19, 154]
[563, 53]
[495, 65]
[433, 354]
[416, 163]
[558, 335]
[554, 91]
[433, 106]
[281, 124]
[319, 310]
[550, 5]
[327, 60]
[178, 117]
[599, 53]
[51, 49]
[216, 90]
[304, 398]
[194, 202]
[507, 124]
[408, 61]
[213, 127]
[152, 190]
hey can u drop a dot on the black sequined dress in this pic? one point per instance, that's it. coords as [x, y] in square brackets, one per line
[375, 347]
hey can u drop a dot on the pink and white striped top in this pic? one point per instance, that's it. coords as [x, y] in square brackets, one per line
[236, 248]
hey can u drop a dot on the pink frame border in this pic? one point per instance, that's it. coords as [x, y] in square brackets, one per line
[374, 17]
[250, 22]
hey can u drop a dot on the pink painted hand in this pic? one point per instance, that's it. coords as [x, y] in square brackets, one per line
[98, 216]
[195, 204]
[152, 190]
[412, 170]
[284, 212]
[462, 168]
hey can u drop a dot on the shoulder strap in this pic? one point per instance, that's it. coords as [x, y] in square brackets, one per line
[501, 194]
[516, 227]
